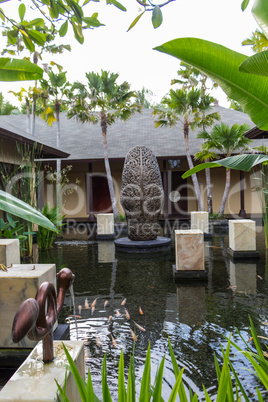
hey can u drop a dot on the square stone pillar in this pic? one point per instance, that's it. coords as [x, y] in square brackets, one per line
[9, 251]
[34, 381]
[105, 226]
[189, 249]
[199, 221]
[16, 285]
[242, 238]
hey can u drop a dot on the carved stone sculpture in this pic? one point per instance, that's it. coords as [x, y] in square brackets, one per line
[142, 193]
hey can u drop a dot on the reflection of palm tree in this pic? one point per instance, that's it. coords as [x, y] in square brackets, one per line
[226, 140]
[103, 101]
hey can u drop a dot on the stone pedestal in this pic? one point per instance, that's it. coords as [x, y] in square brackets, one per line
[199, 221]
[9, 252]
[106, 251]
[105, 227]
[34, 381]
[242, 238]
[16, 285]
[189, 248]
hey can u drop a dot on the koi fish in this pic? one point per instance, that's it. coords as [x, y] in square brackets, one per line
[73, 315]
[259, 277]
[86, 303]
[79, 309]
[110, 318]
[133, 335]
[127, 314]
[98, 342]
[93, 304]
[124, 302]
[140, 310]
[114, 342]
[118, 313]
[139, 327]
[105, 303]
[92, 310]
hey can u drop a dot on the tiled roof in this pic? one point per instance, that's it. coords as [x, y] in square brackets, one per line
[84, 141]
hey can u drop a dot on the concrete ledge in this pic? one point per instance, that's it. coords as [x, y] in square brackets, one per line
[242, 254]
[106, 236]
[126, 245]
[180, 275]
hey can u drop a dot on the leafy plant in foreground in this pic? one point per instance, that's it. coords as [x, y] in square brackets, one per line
[230, 388]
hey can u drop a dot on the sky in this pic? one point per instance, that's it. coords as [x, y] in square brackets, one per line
[131, 54]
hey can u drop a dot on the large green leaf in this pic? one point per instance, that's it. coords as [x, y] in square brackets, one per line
[238, 162]
[15, 206]
[256, 64]
[18, 70]
[222, 65]
[260, 13]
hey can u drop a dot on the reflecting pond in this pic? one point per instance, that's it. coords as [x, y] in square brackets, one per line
[195, 317]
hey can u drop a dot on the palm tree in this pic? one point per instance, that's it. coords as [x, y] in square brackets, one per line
[186, 107]
[227, 140]
[257, 41]
[54, 89]
[103, 101]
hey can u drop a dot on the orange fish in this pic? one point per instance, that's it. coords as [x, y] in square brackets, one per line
[259, 277]
[105, 303]
[110, 318]
[86, 303]
[127, 314]
[124, 302]
[98, 342]
[138, 326]
[114, 342]
[118, 313]
[79, 309]
[92, 310]
[140, 310]
[94, 303]
[133, 335]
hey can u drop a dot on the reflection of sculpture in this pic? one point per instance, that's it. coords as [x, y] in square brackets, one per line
[141, 193]
[36, 317]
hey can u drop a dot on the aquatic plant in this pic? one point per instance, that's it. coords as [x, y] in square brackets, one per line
[230, 388]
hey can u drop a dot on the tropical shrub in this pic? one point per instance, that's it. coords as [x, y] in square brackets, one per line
[45, 237]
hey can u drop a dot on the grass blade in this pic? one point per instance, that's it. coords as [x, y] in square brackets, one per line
[121, 380]
[78, 380]
[158, 382]
[146, 378]
[176, 369]
[105, 389]
[175, 390]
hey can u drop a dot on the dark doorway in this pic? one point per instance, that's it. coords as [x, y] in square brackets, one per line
[177, 195]
[101, 194]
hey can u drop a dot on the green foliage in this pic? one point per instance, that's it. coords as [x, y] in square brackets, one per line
[45, 237]
[11, 229]
[228, 68]
[230, 388]
[18, 70]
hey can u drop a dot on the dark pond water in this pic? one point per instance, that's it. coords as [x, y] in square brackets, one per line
[195, 317]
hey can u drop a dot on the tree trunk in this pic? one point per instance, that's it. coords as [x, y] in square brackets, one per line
[209, 195]
[226, 191]
[191, 165]
[57, 107]
[28, 116]
[108, 170]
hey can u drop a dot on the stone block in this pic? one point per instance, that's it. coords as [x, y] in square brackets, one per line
[16, 285]
[9, 252]
[34, 381]
[106, 251]
[199, 221]
[105, 224]
[242, 235]
[189, 248]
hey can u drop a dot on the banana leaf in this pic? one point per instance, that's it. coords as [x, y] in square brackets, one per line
[16, 207]
[18, 70]
[222, 65]
[238, 162]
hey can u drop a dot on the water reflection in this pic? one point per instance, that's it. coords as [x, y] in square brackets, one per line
[106, 251]
[194, 318]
